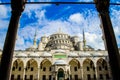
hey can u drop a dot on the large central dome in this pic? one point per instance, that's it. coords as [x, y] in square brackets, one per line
[59, 40]
[62, 41]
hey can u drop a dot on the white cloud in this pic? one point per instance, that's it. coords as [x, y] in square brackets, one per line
[94, 40]
[3, 23]
[115, 18]
[29, 9]
[77, 18]
[3, 11]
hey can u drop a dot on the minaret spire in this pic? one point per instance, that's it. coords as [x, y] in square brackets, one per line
[35, 41]
[84, 41]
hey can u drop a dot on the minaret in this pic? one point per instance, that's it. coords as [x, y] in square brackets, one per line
[84, 41]
[35, 41]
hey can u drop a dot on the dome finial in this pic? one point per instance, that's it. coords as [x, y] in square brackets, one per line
[59, 30]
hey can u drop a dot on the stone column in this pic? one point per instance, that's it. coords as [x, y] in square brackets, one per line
[96, 73]
[81, 69]
[113, 53]
[38, 73]
[8, 49]
[55, 75]
[24, 73]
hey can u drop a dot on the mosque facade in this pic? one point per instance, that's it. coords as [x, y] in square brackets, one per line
[60, 57]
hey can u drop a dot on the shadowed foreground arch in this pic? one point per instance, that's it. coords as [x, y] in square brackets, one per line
[103, 69]
[17, 70]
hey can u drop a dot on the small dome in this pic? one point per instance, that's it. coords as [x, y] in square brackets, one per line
[33, 54]
[32, 48]
[85, 54]
[46, 54]
[21, 55]
[73, 54]
[59, 62]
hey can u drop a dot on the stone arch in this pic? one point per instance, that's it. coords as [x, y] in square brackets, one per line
[60, 68]
[45, 69]
[17, 70]
[102, 69]
[88, 69]
[60, 74]
[75, 73]
[31, 70]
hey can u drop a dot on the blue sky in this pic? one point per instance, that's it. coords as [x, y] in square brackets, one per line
[48, 18]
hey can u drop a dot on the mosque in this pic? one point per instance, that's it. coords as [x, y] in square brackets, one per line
[60, 57]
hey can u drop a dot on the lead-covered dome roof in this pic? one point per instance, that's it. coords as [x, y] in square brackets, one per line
[59, 40]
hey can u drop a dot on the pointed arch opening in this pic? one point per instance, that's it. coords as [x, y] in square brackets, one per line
[75, 69]
[102, 69]
[31, 71]
[89, 70]
[45, 70]
[60, 74]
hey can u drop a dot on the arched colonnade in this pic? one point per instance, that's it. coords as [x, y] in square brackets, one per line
[80, 69]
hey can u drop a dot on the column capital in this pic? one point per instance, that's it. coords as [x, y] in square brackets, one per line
[18, 6]
[102, 6]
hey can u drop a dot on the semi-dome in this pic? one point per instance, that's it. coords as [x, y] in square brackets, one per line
[32, 48]
[60, 62]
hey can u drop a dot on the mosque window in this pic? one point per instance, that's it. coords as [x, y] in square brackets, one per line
[44, 69]
[50, 77]
[18, 77]
[101, 76]
[76, 77]
[19, 68]
[88, 77]
[12, 77]
[107, 76]
[106, 68]
[94, 77]
[75, 68]
[13, 68]
[31, 77]
[100, 68]
[26, 69]
[32, 68]
[44, 77]
[88, 69]
[70, 77]
[50, 69]
[25, 77]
